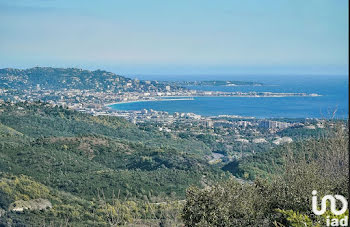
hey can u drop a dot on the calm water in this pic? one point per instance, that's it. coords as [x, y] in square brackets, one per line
[334, 91]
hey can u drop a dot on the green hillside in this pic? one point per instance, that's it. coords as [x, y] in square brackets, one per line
[72, 78]
[281, 194]
[83, 155]
[62, 167]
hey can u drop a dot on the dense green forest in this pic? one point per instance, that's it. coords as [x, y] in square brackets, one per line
[66, 151]
[59, 167]
[281, 196]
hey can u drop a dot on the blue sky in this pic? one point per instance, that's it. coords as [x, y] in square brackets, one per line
[177, 37]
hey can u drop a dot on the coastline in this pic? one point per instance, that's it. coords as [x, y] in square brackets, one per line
[184, 98]
[154, 100]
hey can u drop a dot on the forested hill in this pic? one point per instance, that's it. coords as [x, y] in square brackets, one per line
[80, 153]
[104, 171]
[72, 78]
[64, 151]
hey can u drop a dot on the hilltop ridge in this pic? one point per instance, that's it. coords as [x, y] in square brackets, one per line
[73, 78]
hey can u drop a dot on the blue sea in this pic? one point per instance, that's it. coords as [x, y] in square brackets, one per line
[333, 88]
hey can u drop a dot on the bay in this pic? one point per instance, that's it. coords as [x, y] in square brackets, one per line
[333, 88]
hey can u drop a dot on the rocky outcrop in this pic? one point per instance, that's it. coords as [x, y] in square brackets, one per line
[259, 140]
[2, 212]
[279, 141]
[34, 204]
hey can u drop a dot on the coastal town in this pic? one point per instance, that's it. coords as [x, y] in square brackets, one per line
[187, 113]
[97, 102]
[93, 92]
